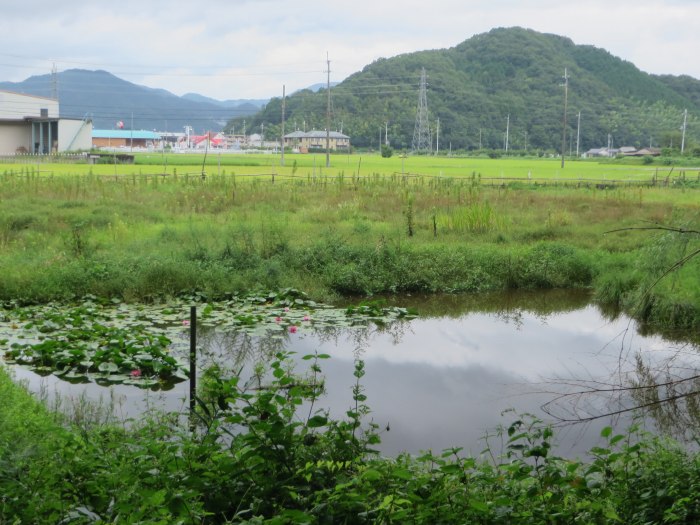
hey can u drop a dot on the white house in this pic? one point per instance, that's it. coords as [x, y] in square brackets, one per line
[31, 124]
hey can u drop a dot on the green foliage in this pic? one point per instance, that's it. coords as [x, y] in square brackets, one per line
[387, 151]
[667, 291]
[263, 453]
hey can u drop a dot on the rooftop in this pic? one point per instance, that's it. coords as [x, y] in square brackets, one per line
[124, 134]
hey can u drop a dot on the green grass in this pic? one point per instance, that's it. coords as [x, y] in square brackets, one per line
[494, 171]
[138, 236]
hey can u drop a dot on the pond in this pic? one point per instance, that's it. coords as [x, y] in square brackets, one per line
[445, 378]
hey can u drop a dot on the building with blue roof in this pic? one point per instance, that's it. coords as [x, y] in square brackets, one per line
[124, 138]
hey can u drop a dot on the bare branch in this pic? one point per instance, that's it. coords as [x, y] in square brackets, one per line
[657, 227]
[621, 411]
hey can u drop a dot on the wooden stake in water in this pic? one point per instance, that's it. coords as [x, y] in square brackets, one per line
[193, 357]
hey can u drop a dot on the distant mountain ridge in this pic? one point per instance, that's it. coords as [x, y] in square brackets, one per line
[107, 99]
[230, 103]
[503, 87]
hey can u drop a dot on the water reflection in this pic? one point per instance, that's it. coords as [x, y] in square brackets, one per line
[444, 381]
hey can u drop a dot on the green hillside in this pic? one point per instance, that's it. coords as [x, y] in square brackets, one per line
[475, 86]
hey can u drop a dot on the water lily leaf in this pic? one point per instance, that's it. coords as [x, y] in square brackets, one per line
[181, 375]
[108, 367]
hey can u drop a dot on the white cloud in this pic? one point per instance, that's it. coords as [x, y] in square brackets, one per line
[248, 49]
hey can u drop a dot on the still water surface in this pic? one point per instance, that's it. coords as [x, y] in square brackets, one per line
[445, 378]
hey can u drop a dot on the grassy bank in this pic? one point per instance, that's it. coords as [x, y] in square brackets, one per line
[138, 237]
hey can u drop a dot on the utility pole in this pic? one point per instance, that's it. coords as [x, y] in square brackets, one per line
[54, 82]
[131, 144]
[563, 131]
[479, 138]
[571, 146]
[437, 137]
[507, 130]
[328, 113]
[685, 121]
[578, 133]
[284, 99]
[386, 133]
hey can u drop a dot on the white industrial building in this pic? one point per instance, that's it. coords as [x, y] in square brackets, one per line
[31, 124]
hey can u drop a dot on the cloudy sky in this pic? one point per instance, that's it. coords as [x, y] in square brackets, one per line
[250, 48]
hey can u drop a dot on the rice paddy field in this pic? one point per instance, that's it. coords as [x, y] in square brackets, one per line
[359, 165]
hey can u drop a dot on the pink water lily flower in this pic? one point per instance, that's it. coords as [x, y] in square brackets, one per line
[278, 319]
[286, 308]
[307, 318]
[292, 329]
[135, 373]
[185, 323]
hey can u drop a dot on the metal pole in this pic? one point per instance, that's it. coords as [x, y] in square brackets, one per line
[507, 130]
[685, 120]
[578, 133]
[437, 137]
[193, 357]
[328, 114]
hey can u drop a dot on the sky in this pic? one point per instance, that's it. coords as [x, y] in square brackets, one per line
[237, 49]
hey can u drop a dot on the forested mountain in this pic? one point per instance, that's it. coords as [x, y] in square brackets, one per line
[107, 99]
[508, 76]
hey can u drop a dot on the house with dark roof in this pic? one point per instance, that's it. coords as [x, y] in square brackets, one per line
[652, 152]
[304, 141]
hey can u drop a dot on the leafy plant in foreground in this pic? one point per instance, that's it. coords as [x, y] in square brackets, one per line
[262, 453]
[278, 451]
